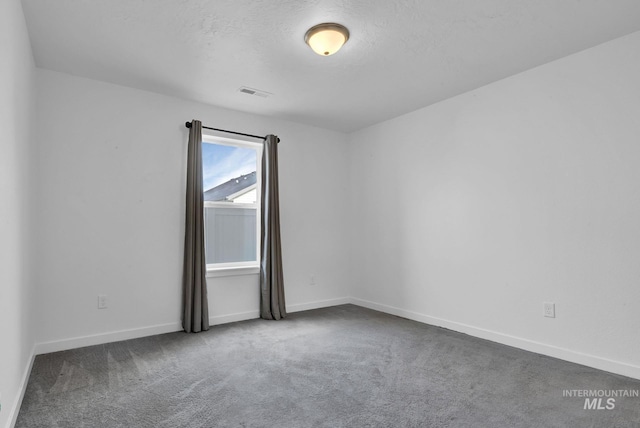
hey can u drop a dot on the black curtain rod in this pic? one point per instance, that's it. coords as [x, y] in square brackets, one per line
[188, 125]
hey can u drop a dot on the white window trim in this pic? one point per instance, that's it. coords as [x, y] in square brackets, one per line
[221, 204]
[239, 268]
[232, 271]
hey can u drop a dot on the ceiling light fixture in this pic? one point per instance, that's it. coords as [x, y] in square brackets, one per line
[326, 39]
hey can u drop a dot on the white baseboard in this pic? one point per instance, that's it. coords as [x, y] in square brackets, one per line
[99, 339]
[318, 304]
[240, 316]
[600, 363]
[250, 315]
[15, 409]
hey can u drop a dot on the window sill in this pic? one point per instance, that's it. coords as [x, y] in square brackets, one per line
[233, 271]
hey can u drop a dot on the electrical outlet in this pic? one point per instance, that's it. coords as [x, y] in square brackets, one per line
[102, 301]
[549, 309]
[312, 280]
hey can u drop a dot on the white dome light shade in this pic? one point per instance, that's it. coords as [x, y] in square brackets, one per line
[326, 39]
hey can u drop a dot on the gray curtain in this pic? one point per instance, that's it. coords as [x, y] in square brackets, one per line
[272, 305]
[196, 310]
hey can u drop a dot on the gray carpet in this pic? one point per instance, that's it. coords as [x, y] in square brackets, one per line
[343, 366]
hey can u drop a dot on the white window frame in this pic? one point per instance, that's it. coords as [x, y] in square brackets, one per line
[238, 268]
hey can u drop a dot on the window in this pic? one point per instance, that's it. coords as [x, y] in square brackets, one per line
[231, 183]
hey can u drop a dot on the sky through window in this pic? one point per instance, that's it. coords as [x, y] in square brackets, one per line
[221, 163]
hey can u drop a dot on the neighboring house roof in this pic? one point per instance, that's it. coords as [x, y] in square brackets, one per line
[233, 187]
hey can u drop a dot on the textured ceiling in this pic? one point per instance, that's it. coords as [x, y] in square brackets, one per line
[402, 54]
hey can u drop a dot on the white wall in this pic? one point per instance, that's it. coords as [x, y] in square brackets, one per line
[111, 164]
[472, 212]
[17, 110]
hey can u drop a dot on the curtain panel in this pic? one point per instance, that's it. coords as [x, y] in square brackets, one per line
[195, 304]
[272, 304]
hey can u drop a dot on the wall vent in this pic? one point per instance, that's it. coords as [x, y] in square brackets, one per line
[253, 91]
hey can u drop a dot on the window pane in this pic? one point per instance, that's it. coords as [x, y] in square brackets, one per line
[229, 173]
[230, 180]
[230, 234]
